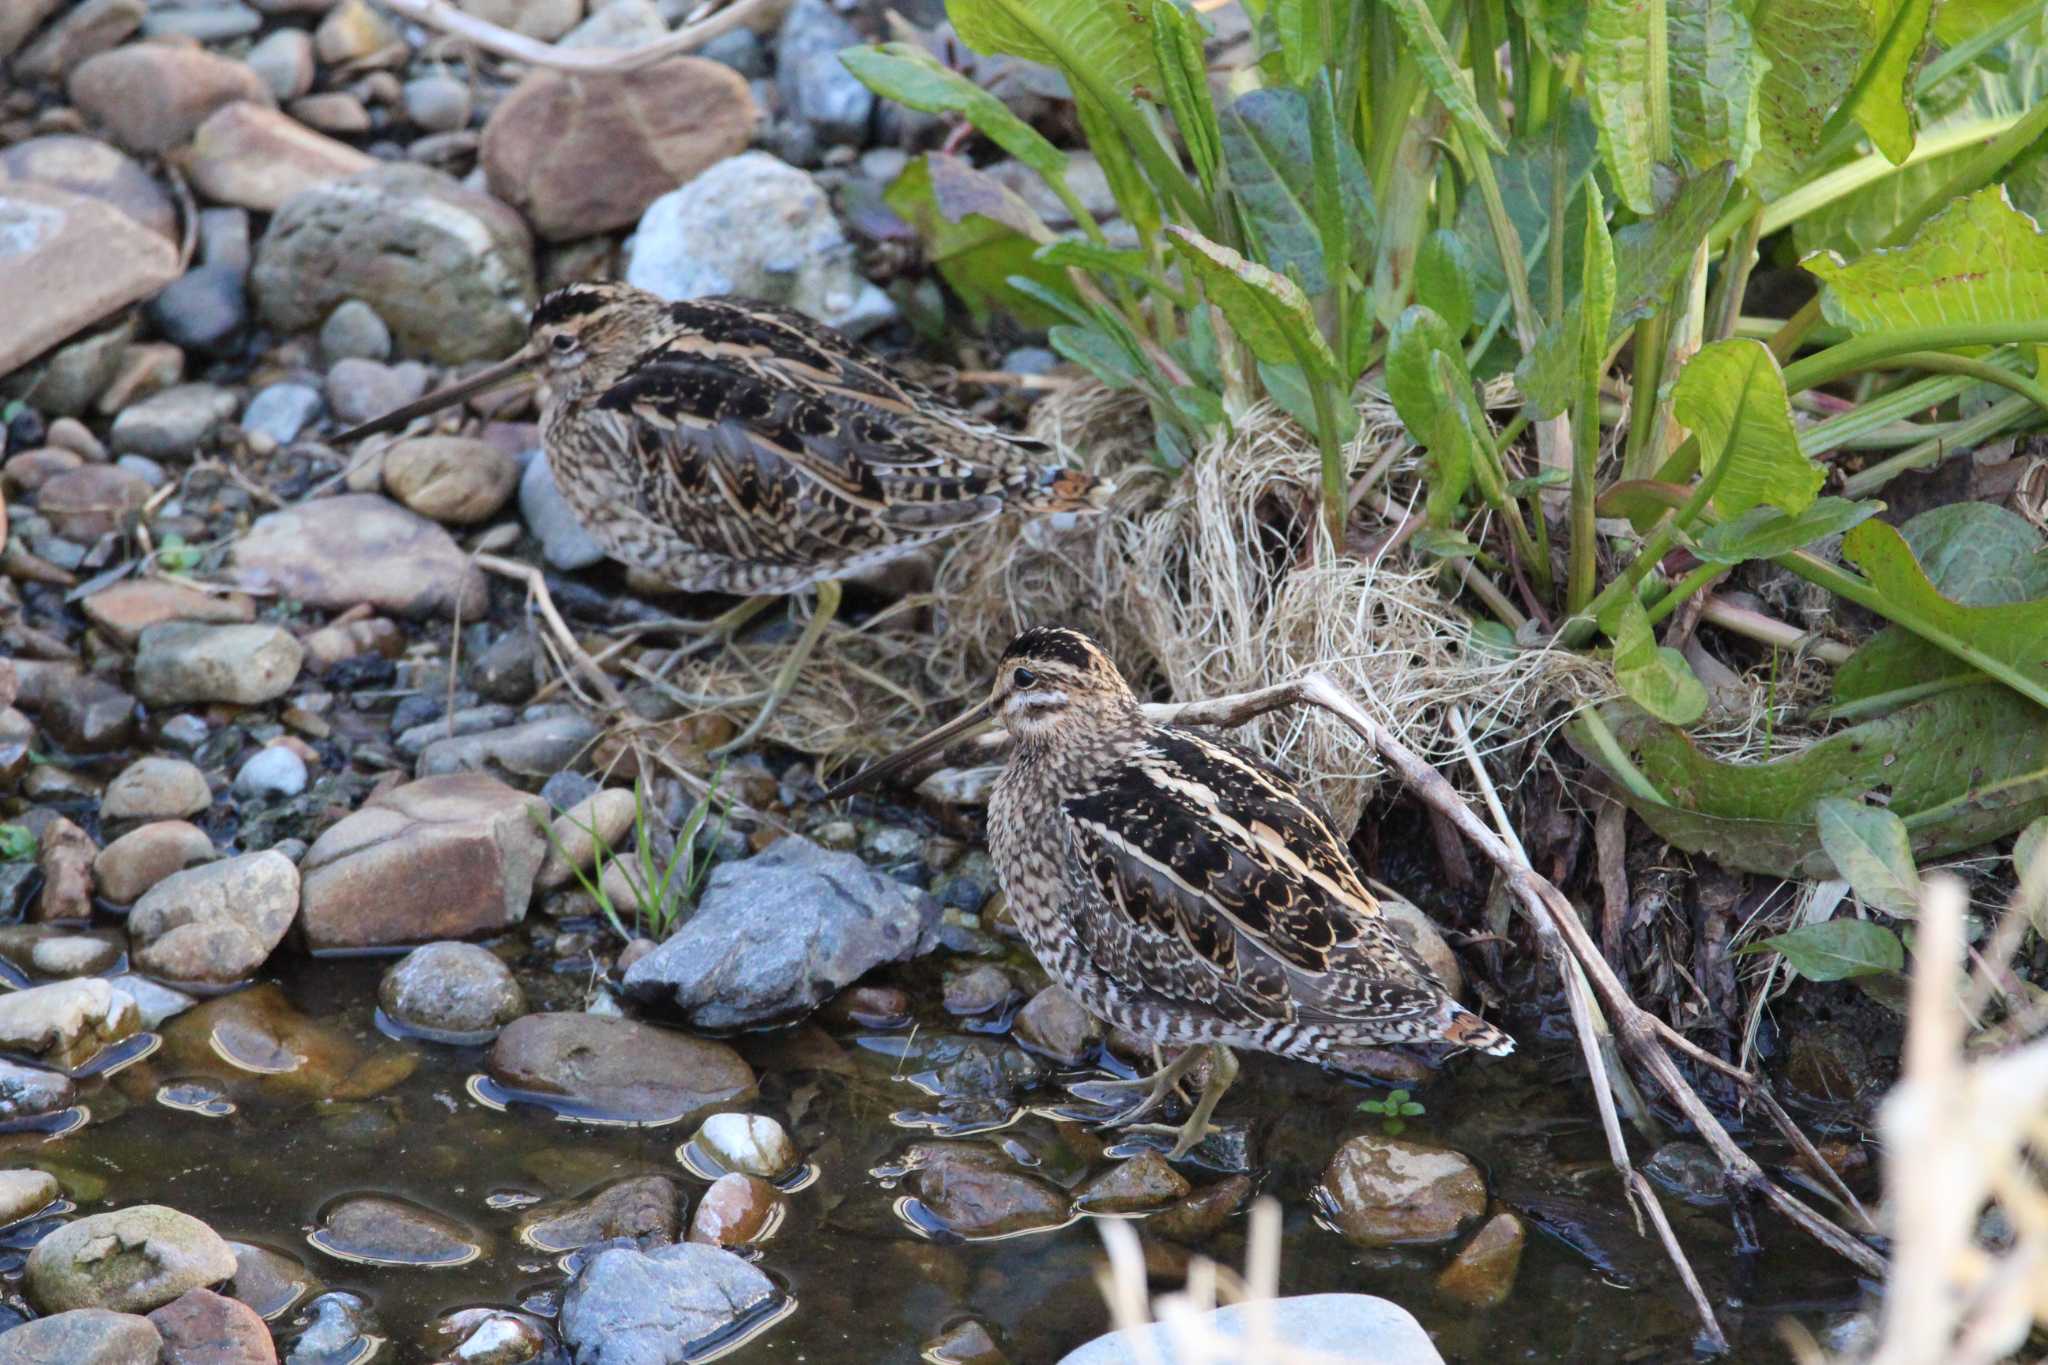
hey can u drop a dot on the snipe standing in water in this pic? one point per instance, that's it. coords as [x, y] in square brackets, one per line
[1182, 888]
[734, 447]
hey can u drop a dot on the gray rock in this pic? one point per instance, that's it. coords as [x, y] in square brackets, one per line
[449, 270]
[205, 22]
[92, 717]
[777, 934]
[172, 425]
[130, 1260]
[469, 720]
[756, 226]
[83, 1336]
[217, 923]
[510, 669]
[621, 24]
[452, 989]
[437, 104]
[281, 411]
[632, 1307]
[336, 552]
[813, 84]
[353, 331]
[620, 1067]
[186, 661]
[202, 310]
[563, 541]
[154, 1002]
[741, 49]
[379, 1231]
[23, 1192]
[358, 390]
[1338, 1327]
[340, 1327]
[524, 755]
[269, 772]
[284, 59]
[29, 1090]
[224, 239]
[143, 468]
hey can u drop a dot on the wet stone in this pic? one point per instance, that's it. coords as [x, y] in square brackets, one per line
[619, 1067]
[376, 1230]
[255, 1034]
[338, 1328]
[1054, 1023]
[1200, 1216]
[1690, 1171]
[24, 1192]
[66, 1022]
[26, 1091]
[130, 1260]
[738, 1210]
[1380, 1191]
[1482, 1275]
[452, 989]
[270, 1282]
[643, 1210]
[201, 1327]
[156, 789]
[979, 990]
[975, 1192]
[752, 1144]
[72, 955]
[216, 924]
[648, 1308]
[966, 1342]
[84, 1336]
[154, 1001]
[488, 1336]
[1145, 1181]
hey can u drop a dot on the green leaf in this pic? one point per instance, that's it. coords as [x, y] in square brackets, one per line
[1618, 88]
[975, 253]
[1815, 49]
[1432, 393]
[1110, 44]
[1443, 279]
[17, 843]
[1836, 950]
[1715, 72]
[1656, 678]
[1882, 102]
[1732, 395]
[1560, 24]
[1268, 311]
[1448, 80]
[911, 76]
[1547, 478]
[1135, 201]
[1343, 194]
[1444, 544]
[1086, 255]
[1961, 768]
[1957, 21]
[1764, 531]
[1096, 352]
[1978, 260]
[1524, 177]
[1272, 170]
[1177, 40]
[2031, 871]
[1287, 387]
[1872, 852]
[1595, 306]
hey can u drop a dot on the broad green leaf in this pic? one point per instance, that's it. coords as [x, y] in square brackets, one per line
[2030, 870]
[1448, 79]
[1559, 24]
[1266, 146]
[1445, 544]
[1816, 50]
[1619, 74]
[1873, 853]
[1978, 260]
[1524, 176]
[1443, 280]
[1343, 195]
[1732, 395]
[1883, 103]
[1200, 405]
[1837, 950]
[1956, 21]
[1268, 311]
[959, 192]
[1086, 255]
[1135, 200]
[1656, 678]
[1286, 387]
[911, 76]
[1595, 306]
[1295, 31]
[1764, 531]
[1715, 71]
[1184, 75]
[1427, 397]
[1961, 768]
[1105, 47]
[1096, 352]
[975, 254]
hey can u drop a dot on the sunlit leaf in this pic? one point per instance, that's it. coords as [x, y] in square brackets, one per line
[1837, 950]
[1524, 175]
[1883, 104]
[1086, 255]
[1732, 395]
[1443, 279]
[1135, 200]
[911, 76]
[1656, 678]
[1091, 42]
[1428, 404]
[1448, 79]
[975, 254]
[1978, 260]
[1618, 75]
[1177, 38]
[1957, 21]
[1272, 170]
[1873, 853]
[1715, 72]
[1815, 50]
[1268, 311]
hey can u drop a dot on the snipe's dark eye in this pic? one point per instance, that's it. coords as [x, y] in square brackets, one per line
[563, 343]
[1024, 679]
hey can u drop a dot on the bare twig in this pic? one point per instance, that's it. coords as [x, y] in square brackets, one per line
[537, 593]
[439, 14]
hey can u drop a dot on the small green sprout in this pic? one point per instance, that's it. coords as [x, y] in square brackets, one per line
[659, 892]
[17, 844]
[1395, 1107]
[177, 556]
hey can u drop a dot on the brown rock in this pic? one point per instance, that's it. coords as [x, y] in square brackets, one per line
[1143, 1182]
[1482, 1275]
[336, 552]
[452, 479]
[215, 924]
[145, 368]
[643, 1208]
[152, 96]
[201, 1327]
[87, 166]
[620, 1067]
[146, 855]
[258, 1034]
[89, 29]
[66, 1022]
[582, 154]
[22, 18]
[335, 111]
[156, 789]
[350, 31]
[84, 1336]
[254, 156]
[65, 854]
[341, 640]
[92, 718]
[1380, 1191]
[93, 500]
[31, 469]
[1053, 1022]
[394, 1232]
[546, 20]
[443, 857]
[130, 607]
[1200, 1216]
[69, 262]
[966, 1342]
[737, 1210]
[130, 1260]
[977, 1192]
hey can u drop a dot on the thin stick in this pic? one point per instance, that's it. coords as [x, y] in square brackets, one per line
[439, 14]
[537, 593]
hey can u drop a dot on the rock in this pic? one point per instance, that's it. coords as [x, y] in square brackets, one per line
[340, 1327]
[133, 605]
[966, 1342]
[814, 85]
[153, 96]
[618, 24]
[31, 469]
[1053, 1023]
[258, 157]
[580, 156]
[202, 310]
[93, 717]
[977, 1193]
[776, 935]
[437, 104]
[83, 1336]
[490, 1336]
[358, 390]
[1419, 933]
[91, 501]
[1319, 1326]
[281, 411]
[1143, 1182]
[65, 1022]
[23, 1192]
[449, 270]
[50, 953]
[351, 30]
[374, 1230]
[139, 369]
[439, 858]
[600, 820]
[333, 111]
[651, 1307]
[336, 552]
[564, 542]
[156, 789]
[201, 1327]
[618, 1067]
[1200, 1216]
[738, 1210]
[643, 1209]
[130, 1260]
[19, 20]
[1482, 1275]
[528, 753]
[284, 59]
[256, 1032]
[154, 1001]
[144, 856]
[26, 1091]
[184, 661]
[1380, 1191]
[88, 30]
[268, 1281]
[353, 331]
[64, 856]
[752, 1144]
[203, 22]
[218, 923]
[755, 226]
[452, 988]
[173, 424]
[982, 989]
[546, 20]
[87, 166]
[453, 479]
[271, 772]
[510, 670]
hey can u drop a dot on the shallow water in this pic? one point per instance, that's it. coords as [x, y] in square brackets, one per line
[867, 1289]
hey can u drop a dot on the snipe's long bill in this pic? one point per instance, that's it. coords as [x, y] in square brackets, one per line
[913, 753]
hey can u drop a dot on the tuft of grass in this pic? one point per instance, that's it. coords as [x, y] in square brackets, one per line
[661, 887]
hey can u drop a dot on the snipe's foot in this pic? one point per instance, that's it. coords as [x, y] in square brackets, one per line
[1157, 1087]
[1189, 1134]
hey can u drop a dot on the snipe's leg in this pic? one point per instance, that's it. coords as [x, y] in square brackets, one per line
[719, 630]
[1156, 1086]
[1221, 1074]
[792, 665]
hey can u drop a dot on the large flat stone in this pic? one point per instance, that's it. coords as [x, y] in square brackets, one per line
[258, 157]
[336, 552]
[69, 262]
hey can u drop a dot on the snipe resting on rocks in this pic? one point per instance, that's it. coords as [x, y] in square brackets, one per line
[734, 447]
[1183, 888]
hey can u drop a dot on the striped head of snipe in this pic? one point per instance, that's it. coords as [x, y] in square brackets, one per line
[1055, 686]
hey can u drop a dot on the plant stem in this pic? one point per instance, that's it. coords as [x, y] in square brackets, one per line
[1684, 588]
[1883, 703]
[1879, 413]
[1861, 352]
[1941, 362]
[1961, 436]
[1736, 266]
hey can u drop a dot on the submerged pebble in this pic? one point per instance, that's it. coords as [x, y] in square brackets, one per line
[378, 1230]
[643, 1210]
[71, 1268]
[751, 1144]
[457, 990]
[656, 1305]
[737, 1210]
[1380, 1191]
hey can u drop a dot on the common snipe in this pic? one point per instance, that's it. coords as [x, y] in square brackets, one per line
[734, 447]
[1182, 888]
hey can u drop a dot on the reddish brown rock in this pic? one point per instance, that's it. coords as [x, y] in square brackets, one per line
[256, 157]
[1380, 1191]
[65, 853]
[1482, 1275]
[620, 1067]
[93, 500]
[146, 855]
[89, 28]
[31, 469]
[87, 166]
[201, 1327]
[132, 606]
[152, 96]
[737, 1210]
[69, 262]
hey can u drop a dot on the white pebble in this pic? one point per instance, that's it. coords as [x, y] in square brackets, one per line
[275, 771]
